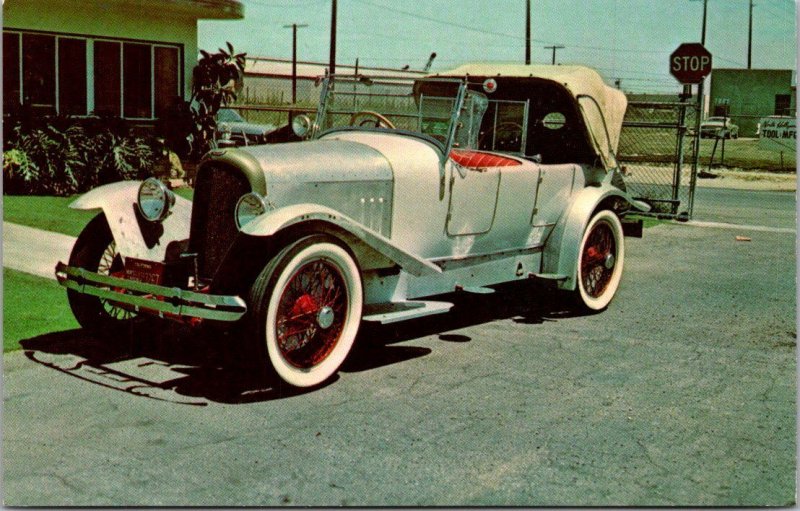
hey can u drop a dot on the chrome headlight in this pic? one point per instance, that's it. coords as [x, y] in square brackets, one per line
[250, 206]
[154, 200]
[301, 125]
[225, 130]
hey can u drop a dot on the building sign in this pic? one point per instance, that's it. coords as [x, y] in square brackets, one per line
[778, 132]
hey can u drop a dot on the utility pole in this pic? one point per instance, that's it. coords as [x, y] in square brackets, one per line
[294, 27]
[332, 64]
[750, 39]
[554, 48]
[527, 32]
[705, 11]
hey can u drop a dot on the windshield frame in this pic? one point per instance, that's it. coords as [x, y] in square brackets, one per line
[328, 84]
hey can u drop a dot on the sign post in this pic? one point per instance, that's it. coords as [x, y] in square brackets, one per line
[690, 63]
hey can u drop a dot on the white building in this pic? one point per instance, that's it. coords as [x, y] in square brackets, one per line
[128, 58]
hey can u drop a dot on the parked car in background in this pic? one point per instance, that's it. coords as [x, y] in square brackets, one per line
[718, 127]
[402, 190]
[233, 130]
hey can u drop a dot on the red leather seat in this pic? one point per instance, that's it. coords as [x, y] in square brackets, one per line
[479, 160]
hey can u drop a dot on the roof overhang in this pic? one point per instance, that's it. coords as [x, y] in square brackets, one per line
[199, 9]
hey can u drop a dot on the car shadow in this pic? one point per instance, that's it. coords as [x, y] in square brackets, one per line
[170, 362]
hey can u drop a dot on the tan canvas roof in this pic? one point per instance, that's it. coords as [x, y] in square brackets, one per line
[579, 81]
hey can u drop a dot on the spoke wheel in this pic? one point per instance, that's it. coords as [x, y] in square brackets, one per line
[96, 251]
[312, 312]
[600, 261]
[306, 310]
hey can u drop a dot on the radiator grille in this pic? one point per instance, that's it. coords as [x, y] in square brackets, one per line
[217, 189]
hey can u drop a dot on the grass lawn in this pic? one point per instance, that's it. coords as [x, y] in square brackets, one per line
[53, 213]
[32, 306]
[47, 213]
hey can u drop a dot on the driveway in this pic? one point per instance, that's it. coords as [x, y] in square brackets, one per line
[682, 393]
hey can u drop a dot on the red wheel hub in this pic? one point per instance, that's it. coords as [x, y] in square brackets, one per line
[311, 314]
[598, 259]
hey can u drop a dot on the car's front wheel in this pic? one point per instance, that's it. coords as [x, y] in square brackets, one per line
[600, 261]
[96, 251]
[306, 310]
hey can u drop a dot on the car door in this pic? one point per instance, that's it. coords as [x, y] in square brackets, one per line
[473, 199]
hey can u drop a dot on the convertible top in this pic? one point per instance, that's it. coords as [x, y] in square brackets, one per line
[578, 81]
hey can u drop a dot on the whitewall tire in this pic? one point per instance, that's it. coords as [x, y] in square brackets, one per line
[307, 309]
[600, 261]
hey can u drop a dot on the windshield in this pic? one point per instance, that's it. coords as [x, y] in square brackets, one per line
[441, 110]
[228, 115]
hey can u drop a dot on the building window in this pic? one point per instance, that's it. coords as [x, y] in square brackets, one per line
[77, 75]
[39, 72]
[137, 79]
[165, 74]
[783, 104]
[11, 72]
[71, 76]
[107, 76]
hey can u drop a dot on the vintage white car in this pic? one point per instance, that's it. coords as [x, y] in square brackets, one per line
[404, 190]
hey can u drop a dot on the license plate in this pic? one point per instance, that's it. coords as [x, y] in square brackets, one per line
[151, 272]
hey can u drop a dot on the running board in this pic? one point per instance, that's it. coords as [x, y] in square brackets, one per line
[548, 276]
[474, 289]
[400, 311]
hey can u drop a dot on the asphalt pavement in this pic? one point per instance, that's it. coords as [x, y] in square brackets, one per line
[683, 393]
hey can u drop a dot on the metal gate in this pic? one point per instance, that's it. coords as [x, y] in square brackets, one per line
[657, 149]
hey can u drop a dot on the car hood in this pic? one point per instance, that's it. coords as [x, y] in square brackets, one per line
[319, 161]
[248, 128]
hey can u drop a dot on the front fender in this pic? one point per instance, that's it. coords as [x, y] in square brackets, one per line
[118, 202]
[277, 220]
[563, 246]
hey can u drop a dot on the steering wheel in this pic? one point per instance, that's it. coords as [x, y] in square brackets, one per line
[380, 121]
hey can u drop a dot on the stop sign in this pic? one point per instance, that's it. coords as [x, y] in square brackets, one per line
[690, 63]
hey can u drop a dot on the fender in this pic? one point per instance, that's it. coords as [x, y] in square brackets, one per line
[563, 246]
[118, 203]
[273, 222]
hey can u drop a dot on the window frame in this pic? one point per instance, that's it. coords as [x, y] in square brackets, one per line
[90, 71]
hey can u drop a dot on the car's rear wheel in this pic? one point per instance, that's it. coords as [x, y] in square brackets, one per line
[600, 261]
[306, 310]
[96, 251]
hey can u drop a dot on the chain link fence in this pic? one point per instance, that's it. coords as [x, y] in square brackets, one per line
[656, 149]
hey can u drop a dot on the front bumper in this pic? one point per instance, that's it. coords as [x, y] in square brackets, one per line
[152, 298]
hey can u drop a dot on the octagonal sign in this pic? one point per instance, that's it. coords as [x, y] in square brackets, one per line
[690, 63]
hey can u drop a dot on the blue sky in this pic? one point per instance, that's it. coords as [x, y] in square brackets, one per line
[626, 39]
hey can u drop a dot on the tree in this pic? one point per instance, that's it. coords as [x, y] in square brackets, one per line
[215, 81]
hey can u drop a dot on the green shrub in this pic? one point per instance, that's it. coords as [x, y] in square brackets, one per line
[44, 159]
[18, 172]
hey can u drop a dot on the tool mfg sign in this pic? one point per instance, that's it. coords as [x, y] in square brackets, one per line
[778, 131]
[779, 127]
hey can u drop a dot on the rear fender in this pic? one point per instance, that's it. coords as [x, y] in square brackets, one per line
[563, 246]
[366, 243]
[134, 236]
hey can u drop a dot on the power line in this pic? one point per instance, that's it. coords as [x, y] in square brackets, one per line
[499, 34]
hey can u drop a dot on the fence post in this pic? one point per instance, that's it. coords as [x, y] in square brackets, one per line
[696, 157]
[681, 132]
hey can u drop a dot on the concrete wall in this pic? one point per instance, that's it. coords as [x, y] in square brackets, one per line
[751, 93]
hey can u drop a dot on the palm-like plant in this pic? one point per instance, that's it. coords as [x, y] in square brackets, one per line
[215, 80]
